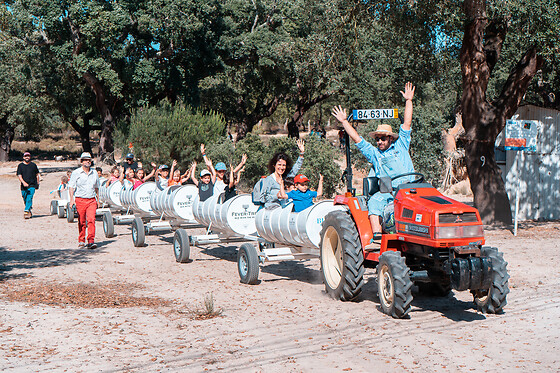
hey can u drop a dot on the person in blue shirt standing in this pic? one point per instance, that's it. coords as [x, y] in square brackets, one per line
[390, 158]
[301, 196]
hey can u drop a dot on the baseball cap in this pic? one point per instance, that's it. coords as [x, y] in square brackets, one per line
[300, 179]
[163, 167]
[204, 173]
[85, 155]
[129, 156]
[27, 153]
[221, 166]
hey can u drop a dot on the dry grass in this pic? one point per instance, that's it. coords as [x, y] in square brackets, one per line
[207, 310]
[78, 295]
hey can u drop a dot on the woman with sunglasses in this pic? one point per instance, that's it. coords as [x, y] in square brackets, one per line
[389, 158]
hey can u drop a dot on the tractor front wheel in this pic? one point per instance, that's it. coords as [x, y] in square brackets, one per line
[493, 300]
[394, 284]
[342, 258]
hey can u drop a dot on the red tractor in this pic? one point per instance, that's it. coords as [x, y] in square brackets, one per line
[436, 243]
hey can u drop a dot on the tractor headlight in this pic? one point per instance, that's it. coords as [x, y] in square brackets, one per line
[473, 231]
[448, 232]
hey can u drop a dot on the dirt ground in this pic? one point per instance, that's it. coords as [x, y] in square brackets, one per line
[121, 308]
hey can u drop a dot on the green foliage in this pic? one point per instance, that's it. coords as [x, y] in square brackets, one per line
[167, 132]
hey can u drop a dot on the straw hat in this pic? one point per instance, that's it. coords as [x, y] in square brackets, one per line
[384, 129]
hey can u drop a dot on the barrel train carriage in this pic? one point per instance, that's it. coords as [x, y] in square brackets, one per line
[230, 221]
[61, 206]
[277, 233]
[112, 209]
[283, 235]
[170, 209]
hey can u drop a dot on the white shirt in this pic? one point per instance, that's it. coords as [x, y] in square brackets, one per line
[162, 183]
[219, 187]
[83, 183]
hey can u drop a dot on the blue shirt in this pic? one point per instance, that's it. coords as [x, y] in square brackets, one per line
[302, 200]
[391, 162]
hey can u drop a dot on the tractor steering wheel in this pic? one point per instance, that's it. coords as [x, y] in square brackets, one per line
[419, 177]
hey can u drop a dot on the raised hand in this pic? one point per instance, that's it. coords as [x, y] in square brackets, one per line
[153, 164]
[243, 158]
[202, 149]
[174, 163]
[408, 93]
[339, 113]
[301, 145]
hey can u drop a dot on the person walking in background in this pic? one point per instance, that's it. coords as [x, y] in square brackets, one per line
[29, 177]
[84, 193]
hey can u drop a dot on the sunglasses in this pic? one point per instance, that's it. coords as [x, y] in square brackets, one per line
[382, 138]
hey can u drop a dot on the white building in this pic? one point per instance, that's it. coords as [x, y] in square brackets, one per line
[534, 174]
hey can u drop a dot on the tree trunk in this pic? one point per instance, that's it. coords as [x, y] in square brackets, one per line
[6, 137]
[106, 146]
[482, 120]
[490, 197]
[302, 107]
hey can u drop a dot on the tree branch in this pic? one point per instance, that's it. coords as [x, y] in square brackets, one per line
[518, 82]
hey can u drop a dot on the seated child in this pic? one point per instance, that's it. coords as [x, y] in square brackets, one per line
[289, 184]
[231, 181]
[99, 171]
[206, 183]
[302, 196]
[63, 183]
[128, 182]
[141, 176]
[115, 175]
[162, 176]
[176, 177]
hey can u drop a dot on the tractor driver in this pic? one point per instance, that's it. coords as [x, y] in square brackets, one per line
[389, 158]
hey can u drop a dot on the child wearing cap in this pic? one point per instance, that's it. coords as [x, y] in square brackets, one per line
[162, 176]
[220, 170]
[302, 197]
[206, 183]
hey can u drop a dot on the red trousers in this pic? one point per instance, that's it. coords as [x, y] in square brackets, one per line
[86, 213]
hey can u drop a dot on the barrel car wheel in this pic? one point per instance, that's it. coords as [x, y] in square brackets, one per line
[493, 300]
[61, 212]
[248, 264]
[394, 284]
[108, 224]
[181, 246]
[138, 233]
[54, 207]
[342, 258]
[69, 213]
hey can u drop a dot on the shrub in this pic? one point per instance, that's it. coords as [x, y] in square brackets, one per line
[166, 132]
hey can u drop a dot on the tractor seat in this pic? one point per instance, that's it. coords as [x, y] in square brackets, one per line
[371, 186]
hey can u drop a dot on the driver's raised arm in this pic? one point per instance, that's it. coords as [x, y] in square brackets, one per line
[408, 95]
[340, 114]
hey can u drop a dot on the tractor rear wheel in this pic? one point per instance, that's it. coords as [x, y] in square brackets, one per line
[493, 300]
[342, 258]
[394, 284]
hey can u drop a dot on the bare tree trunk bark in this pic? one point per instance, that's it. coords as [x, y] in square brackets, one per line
[482, 120]
[7, 134]
[106, 146]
